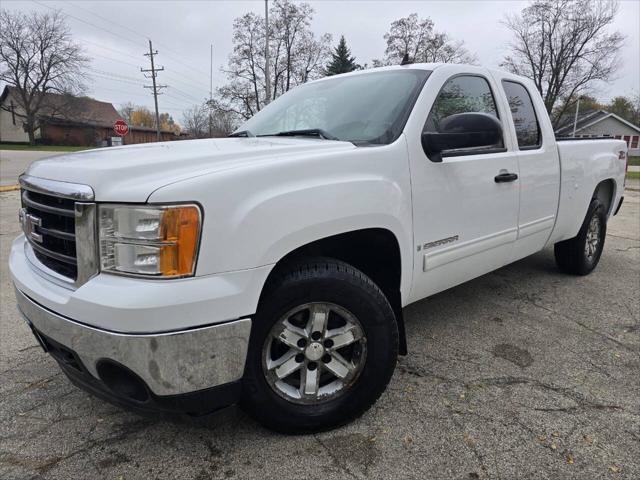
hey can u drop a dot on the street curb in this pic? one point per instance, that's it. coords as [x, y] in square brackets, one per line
[9, 188]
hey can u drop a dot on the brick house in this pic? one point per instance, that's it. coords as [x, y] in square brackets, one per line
[69, 120]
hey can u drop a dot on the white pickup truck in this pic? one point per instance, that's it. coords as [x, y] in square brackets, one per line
[270, 269]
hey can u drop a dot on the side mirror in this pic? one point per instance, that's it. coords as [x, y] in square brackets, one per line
[462, 130]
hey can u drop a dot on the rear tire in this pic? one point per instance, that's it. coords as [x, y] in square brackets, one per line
[288, 329]
[580, 255]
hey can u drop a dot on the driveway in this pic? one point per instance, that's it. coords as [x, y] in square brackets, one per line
[14, 162]
[522, 373]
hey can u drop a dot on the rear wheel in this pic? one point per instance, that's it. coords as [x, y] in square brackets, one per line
[323, 347]
[580, 255]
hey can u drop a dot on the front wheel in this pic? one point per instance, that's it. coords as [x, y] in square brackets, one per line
[580, 255]
[323, 347]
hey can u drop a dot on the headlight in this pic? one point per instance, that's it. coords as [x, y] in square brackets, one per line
[160, 241]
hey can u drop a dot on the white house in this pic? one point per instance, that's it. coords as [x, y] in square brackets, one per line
[600, 123]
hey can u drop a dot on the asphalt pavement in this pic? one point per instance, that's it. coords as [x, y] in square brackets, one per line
[522, 373]
[14, 162]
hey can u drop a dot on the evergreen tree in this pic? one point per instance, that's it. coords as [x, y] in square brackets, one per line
[342, 61]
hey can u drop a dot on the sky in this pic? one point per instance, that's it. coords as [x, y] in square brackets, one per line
[115, 35]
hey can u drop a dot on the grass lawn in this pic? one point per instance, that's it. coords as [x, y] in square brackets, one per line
[41, 148]
[635, 175]
[634, 161]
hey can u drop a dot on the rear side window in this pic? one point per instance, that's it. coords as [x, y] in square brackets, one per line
[462, 94]
[523, 114]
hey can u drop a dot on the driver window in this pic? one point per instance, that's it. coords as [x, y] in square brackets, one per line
[462, 94]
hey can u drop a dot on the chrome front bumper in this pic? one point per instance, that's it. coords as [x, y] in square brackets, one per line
[169, 363]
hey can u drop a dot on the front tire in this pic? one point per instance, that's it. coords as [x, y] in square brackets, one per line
[580, 255]
[323, 348]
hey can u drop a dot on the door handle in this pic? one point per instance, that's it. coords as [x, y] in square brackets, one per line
[506, 177]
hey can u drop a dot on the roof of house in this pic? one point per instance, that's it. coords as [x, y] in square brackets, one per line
[79, 110]
[587, 119]
[62, 109]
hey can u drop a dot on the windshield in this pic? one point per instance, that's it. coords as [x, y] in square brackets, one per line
[369, 108]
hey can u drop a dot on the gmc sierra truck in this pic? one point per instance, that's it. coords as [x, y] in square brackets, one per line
[271, 268]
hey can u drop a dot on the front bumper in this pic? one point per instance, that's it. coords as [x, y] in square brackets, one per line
[186, 362]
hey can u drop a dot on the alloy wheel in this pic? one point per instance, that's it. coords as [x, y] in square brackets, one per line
[314, 353]
[593, 238]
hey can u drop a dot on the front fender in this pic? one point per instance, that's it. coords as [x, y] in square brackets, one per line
[255, 216]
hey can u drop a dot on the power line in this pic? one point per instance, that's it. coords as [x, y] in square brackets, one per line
[106, 77]
[114, 60]
[173, 78]
[108, 20]
[146, 37]
[183, 81]
[88, 23]
[119, 37]
[186, 95]
[186, 101]
[114, 50]
[124, 77]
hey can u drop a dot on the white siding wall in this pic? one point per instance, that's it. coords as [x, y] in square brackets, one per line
[612, 126]
[608, 126]
[8, 131]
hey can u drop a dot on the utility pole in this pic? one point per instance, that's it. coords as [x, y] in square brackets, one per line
[155, 87]
[211, 93]
[575, 118]
[266, 53]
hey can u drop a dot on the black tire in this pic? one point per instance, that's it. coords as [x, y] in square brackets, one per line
[335, 282]
[571, 256]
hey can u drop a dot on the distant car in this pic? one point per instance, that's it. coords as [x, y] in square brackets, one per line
[271, 268]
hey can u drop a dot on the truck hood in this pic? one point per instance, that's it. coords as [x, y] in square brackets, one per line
[132, 173]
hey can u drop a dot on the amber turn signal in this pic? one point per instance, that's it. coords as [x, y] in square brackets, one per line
[179, 234]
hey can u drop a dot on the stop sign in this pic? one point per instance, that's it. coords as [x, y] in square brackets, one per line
[121, 128]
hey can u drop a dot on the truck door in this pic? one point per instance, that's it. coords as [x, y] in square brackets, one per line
[465, 209]
[539, 167]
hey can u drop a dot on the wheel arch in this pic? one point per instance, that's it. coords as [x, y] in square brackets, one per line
[374, 251]
[605, 192]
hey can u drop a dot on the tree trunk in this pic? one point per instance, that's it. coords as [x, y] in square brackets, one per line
[31, 131]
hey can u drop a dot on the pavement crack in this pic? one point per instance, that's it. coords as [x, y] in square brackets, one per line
[626, 249]
[335, 459]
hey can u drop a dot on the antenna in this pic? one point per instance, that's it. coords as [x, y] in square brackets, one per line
[405, 60]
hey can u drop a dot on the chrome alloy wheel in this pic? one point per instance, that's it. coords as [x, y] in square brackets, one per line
[593, 238]
[314, 353]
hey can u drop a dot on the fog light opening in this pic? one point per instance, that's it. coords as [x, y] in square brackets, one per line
[122, 381]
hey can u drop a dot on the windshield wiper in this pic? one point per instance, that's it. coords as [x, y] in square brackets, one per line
[310, 132]
[242, 133]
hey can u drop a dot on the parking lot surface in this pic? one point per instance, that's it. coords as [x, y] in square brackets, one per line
[522, 373]
[14, 162]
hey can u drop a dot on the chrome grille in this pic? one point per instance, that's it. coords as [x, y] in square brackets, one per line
[60, 226]
[52, 231]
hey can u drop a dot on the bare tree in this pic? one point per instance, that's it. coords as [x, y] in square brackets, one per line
[37, 57]
[223, 123]
[195, 121]
[417, 38]
[296, 55]
[565, 48]
[126, 111]
[311, 57]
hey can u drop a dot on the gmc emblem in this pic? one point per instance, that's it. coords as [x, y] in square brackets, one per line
[29, 223]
